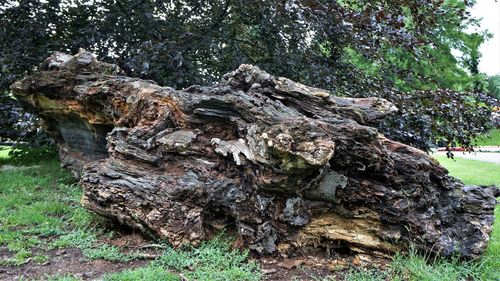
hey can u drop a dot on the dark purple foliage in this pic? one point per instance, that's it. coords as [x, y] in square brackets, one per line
[180, 43]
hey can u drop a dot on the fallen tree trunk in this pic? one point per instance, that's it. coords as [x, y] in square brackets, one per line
[291, 168]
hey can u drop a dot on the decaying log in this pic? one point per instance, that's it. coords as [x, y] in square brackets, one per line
[292, 168]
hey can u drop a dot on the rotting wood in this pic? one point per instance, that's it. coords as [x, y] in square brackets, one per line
[290, 167]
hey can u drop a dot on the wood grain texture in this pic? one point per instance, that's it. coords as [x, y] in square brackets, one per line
[290, 168]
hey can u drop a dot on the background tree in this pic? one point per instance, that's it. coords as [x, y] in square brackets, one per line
[399, 50]
[494, 86]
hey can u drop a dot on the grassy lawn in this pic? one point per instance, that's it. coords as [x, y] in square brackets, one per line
[491, 140]
[40, 213]
[4, 153]
[472, 171]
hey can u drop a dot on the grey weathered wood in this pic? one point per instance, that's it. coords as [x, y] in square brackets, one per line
[291, 168]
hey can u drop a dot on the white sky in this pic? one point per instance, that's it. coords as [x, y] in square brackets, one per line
[489, 11]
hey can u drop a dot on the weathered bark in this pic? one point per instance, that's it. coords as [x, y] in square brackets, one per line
[290, 167]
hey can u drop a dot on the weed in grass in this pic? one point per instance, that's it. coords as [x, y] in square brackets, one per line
[30, 209]
[19, 258]
[414, 267]
[213, 260]
[107, 252]
[40, 258]
[21, 243]
[86, 240]
[81, 218]
[78, 238]
[150, 272]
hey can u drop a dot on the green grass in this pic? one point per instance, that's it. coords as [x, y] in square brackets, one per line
[150, 272]
[492, 139]
[414, 267]
[212, 260]
[34, 204]
[472, 172]
[4, 152]
[40, 211]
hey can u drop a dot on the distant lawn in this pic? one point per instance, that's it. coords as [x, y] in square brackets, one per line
[471, 171]
[493, 139]
[4, 152]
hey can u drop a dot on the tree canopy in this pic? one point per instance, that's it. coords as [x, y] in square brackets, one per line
[494, 86]
[399, 50]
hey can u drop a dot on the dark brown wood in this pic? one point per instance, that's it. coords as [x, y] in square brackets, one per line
[291, 168]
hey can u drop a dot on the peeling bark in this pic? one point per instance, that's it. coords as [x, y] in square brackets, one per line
[292, 168]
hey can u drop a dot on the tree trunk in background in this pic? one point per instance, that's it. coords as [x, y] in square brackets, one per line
[291, 168]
